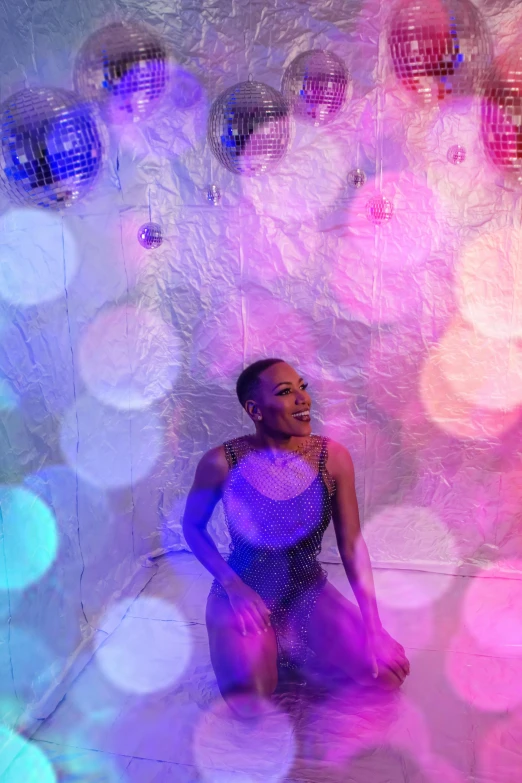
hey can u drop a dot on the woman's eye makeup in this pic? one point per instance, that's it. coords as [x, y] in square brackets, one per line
[284, 391]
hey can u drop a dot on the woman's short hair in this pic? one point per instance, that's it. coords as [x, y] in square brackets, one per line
[248, 382]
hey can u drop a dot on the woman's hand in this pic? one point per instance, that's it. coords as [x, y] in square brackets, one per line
[251, 612]
[383, 649]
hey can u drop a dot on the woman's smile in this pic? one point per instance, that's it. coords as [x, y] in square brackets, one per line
[303, 416]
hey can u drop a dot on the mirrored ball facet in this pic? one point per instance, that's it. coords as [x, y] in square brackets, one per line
[439, 48]
[51, 147]
[213, 195]
[315, 86]
[150, 235]
[124, 68]
[379, 209]
[456, 154]
[356, 178]
[502, 114]
[249, 128]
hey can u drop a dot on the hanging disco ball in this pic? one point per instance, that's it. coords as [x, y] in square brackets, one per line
[249, 128]
[213, 195]
[456, 154]
[52, 147]
[356, 178]
[502, 114]
[439, 48]
[150, 235]
[379, 209]
[314, 84]
[124, 68]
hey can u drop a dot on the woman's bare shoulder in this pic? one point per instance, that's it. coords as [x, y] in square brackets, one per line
[212, 468]
[339, 461]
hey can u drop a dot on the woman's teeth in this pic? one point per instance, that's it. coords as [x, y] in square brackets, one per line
[305, 416]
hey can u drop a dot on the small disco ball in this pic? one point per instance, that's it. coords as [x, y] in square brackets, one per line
[314, 84]
[356, 178]
[51, 147]
[457, 154]
[213, 195]
[379, 209]
[124, 67]
[502, 114]
[249, 128]
[150, 235]
[439, 48]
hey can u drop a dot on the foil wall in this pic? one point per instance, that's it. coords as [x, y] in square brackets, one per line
[286, 265]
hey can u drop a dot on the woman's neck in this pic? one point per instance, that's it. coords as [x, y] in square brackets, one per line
[278, 443]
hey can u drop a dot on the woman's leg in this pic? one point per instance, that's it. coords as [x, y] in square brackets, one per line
[337, 636]
[245, 666]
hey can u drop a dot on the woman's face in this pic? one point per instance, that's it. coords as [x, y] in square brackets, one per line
[282, 402]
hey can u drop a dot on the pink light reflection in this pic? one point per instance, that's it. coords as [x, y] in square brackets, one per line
[481, 370]
[394, 366]
[491, 609]
[371, 293]
[413, 627]
[270, 327]
[409, 535]
[408, 238]
[363, 719]
[483, 680]
[489, 283]
[455, 415]
[500, 757]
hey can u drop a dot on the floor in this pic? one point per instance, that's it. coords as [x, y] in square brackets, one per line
[146, 709]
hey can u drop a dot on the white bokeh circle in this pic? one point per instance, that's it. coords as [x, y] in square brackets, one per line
[110, 448]
[491, 609]
[129, 357]
[227, 748]
[145, 654]
[409, 535]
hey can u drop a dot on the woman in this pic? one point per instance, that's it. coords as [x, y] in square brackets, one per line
[271, 606]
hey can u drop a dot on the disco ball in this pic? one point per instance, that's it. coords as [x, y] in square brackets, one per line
[249, 128]
[52, 147]
[502, 114]
[439, 48]
[314, 85]
[379, 209]
[124, 67]
[213, 195]
[150, 235]
[356, 178]
[457, 154]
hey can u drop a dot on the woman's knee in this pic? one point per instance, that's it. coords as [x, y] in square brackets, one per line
[242, 664]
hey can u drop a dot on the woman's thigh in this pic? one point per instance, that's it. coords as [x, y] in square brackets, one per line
[242, 664]
[337, 636]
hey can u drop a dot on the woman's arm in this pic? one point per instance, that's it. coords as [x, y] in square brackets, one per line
[206, 491]
[356, 561]
[352, 548]
[251, 612]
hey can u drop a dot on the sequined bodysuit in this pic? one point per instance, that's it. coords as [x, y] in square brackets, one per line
[276, 534]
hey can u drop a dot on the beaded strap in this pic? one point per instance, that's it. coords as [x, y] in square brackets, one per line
[230, 454]
[324, 454]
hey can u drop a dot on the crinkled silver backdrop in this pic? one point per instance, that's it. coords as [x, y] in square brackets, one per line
[285, 264]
